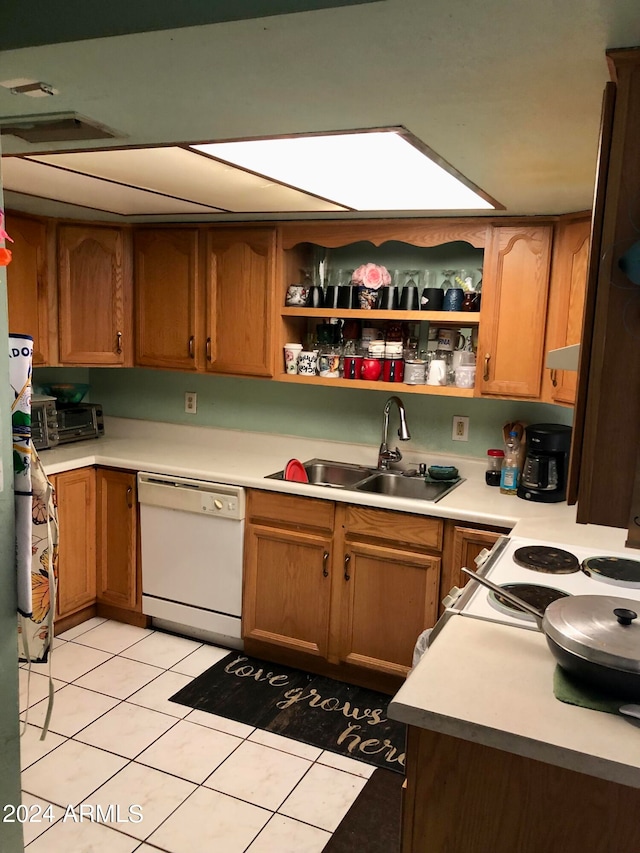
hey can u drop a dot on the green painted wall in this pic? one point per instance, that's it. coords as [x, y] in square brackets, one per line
[338, 414]
[10, 833]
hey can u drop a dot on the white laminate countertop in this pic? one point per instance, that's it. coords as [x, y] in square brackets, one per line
[493, 684]
[245, 459]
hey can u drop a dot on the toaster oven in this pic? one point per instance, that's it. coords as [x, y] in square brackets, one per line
[54, 423]
[44, 422]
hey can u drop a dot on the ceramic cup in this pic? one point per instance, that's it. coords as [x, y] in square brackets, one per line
[453, 299]
[368, 297]
[463, 358]
[307, 363]
[297, 295]
[450, 340]
[465, 376]
[291, 354]
[371, 368]
[437, 374]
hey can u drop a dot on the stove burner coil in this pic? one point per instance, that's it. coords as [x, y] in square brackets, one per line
[543, 558]
[619, 571]
[534, 594]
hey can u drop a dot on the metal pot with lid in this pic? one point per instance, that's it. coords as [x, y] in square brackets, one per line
[596, 638]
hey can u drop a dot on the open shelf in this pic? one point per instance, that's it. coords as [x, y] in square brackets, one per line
[378, 385]
[442, 318]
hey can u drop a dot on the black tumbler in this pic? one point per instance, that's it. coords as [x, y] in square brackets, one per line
[315, 298]
[388, 299]
[348, 296]
[409, 298]
[331, 296]
[432, 299]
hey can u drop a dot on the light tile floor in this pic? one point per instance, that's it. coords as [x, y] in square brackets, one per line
[201, 782]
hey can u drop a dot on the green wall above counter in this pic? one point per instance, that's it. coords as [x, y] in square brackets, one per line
[337, 414]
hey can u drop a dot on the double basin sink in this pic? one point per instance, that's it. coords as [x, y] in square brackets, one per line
[357, 478]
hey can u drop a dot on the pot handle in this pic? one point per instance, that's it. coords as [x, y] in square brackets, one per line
[509, 596]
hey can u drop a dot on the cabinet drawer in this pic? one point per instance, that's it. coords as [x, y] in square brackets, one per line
[291, 511]
[399, 527]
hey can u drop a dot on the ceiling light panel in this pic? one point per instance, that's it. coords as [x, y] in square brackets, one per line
[188, 175]
[26, 176]
[365, 171]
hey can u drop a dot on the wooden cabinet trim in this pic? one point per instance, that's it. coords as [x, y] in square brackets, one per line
[391, 526]
[290, 510]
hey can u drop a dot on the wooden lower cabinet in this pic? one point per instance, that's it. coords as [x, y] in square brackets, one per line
[76, 499]
[463, 543]
[98, 562]
[464, 797]
[118, 567]
[338, 589]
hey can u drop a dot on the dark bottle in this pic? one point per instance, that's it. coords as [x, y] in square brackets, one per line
[494, 467]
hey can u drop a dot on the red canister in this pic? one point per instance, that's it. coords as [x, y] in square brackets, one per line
[393, 370]
[353, 367]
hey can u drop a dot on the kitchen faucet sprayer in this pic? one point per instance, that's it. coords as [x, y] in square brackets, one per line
[386, 456]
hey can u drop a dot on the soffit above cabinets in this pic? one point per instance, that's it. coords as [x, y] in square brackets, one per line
[167, 180]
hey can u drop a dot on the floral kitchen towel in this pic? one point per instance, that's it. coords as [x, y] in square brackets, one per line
[20, 360]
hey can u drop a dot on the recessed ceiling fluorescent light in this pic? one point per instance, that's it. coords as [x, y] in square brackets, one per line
[377, 170]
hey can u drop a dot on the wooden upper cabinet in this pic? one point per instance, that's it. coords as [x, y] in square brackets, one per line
[566, 303]
[29, 286]
[514, 308]
[166, 272]
[240, 284]
[94, 295]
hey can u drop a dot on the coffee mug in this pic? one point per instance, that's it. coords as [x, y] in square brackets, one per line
[463, 358]
[297, 295]
[453, 299]
[437, 374]
[353, 366]
[307, 363]
[371, 368]
[450, 340]
[291, 354]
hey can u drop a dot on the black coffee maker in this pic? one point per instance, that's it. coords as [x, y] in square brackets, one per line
[544, 473]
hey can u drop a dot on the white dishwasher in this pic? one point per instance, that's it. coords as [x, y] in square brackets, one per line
[192, 534]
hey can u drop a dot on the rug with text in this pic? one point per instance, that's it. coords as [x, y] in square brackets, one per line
[341, 718]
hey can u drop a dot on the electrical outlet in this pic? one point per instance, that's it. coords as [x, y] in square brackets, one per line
[460, 430]
[190, 402]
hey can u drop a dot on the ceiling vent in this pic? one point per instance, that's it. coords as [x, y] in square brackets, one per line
[55, 127]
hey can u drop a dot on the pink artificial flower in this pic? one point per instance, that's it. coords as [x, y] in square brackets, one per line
[371, 275]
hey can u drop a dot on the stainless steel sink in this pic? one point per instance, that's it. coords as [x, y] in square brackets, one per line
[343, 475]
[397, 486]
[338, 475]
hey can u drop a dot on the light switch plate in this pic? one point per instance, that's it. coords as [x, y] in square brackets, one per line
[460, 431]
[190, 402]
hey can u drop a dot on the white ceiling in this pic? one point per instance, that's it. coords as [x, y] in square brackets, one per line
[508, 93]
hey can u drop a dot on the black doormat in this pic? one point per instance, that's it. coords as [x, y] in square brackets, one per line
[342, 718]
[373, 823]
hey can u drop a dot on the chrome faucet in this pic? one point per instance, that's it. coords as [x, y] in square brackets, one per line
[386, 456]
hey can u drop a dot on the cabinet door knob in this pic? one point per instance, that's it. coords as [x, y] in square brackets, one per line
[208, 349]
[486, 366]
[118, 342]
[191, 348]
[325, 559]
[129, 496]
[347, 560]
